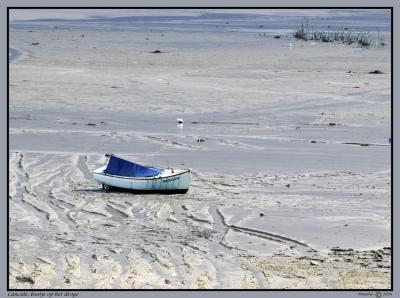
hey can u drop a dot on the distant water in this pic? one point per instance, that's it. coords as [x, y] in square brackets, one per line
[13, 54]
[241, 21]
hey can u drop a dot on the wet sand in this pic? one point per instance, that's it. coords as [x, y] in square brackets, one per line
[291, 183]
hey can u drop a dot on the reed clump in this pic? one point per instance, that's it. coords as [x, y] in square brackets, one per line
[300, 33]
[344, 36]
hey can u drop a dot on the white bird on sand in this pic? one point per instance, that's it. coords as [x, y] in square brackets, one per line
[290, 44]
[179, 120]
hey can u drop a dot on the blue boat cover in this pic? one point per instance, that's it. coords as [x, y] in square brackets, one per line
[121, 167]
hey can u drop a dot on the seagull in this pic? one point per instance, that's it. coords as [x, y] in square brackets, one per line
[179, 120]
[290, 45]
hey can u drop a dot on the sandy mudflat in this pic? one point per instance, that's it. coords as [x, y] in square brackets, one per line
[288, 132]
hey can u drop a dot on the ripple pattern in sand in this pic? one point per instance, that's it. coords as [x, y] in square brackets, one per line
[66, 232]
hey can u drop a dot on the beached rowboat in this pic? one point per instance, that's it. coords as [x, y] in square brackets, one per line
[123, 174]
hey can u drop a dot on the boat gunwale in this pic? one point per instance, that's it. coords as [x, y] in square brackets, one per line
[142, 178]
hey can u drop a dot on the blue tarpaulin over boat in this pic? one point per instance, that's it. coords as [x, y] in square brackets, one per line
[121, 167]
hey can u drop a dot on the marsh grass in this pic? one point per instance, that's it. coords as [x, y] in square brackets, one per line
[349, 38]
[344, 36]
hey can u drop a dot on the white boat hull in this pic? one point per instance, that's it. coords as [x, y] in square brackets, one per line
[169, 181]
